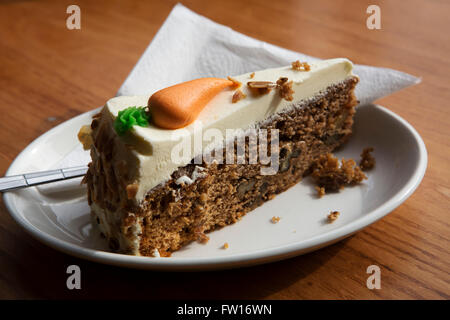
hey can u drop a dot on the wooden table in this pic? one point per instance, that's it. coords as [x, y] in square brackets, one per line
[49, 74]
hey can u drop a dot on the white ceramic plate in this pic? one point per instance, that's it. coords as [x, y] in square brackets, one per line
[58, 214]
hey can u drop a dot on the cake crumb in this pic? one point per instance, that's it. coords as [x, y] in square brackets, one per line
[163, 253]
[332, 176]
[301, 66]
[333, 216]
[285, 89]
[252, 75]
[237, 96]
[320, 191]
[275, 219]
[202, 238]
[367, 160]
[236, 84]
[225, 246]
[132, 190]
[85, 137]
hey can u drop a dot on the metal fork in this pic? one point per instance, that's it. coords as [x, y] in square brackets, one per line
[9, 183]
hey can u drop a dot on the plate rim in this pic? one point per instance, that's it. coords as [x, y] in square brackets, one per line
[229, 261]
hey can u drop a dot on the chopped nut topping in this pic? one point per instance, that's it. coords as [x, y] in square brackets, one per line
[236, 84]
[261, 84]
[282, 84]
[237, 96]
[367, 160]
[333, 216]
[285, 89]
[264, 87]
[275, 219]
[300, 66]
[132, 190]
[85, 137]
[252, 75]
[225, 245]
[261, 87]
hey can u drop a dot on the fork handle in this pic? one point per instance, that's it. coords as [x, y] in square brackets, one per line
[9, 183]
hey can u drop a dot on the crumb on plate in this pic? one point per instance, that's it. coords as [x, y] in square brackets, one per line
[367, 159]
[331, 175]
[275, 219]
[320, 191]
[333, 216]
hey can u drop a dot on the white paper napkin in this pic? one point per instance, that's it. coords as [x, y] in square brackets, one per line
[190, 46]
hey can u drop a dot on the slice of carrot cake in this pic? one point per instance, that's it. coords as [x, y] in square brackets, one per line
[171, 166]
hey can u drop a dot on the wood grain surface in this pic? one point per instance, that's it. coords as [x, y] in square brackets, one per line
[49, 74]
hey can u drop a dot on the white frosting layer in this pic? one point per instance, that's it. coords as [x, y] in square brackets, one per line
[155, 152]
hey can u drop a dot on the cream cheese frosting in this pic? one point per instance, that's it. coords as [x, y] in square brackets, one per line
[154, 145]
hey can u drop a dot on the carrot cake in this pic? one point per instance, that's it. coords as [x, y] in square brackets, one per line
[173, 165]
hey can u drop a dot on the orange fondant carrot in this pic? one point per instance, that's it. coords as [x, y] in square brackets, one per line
[179, 105]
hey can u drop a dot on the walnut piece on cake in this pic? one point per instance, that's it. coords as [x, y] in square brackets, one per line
[238, 96]
[300, 66]
[236, 84]
[261, 87]
[285, 88]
